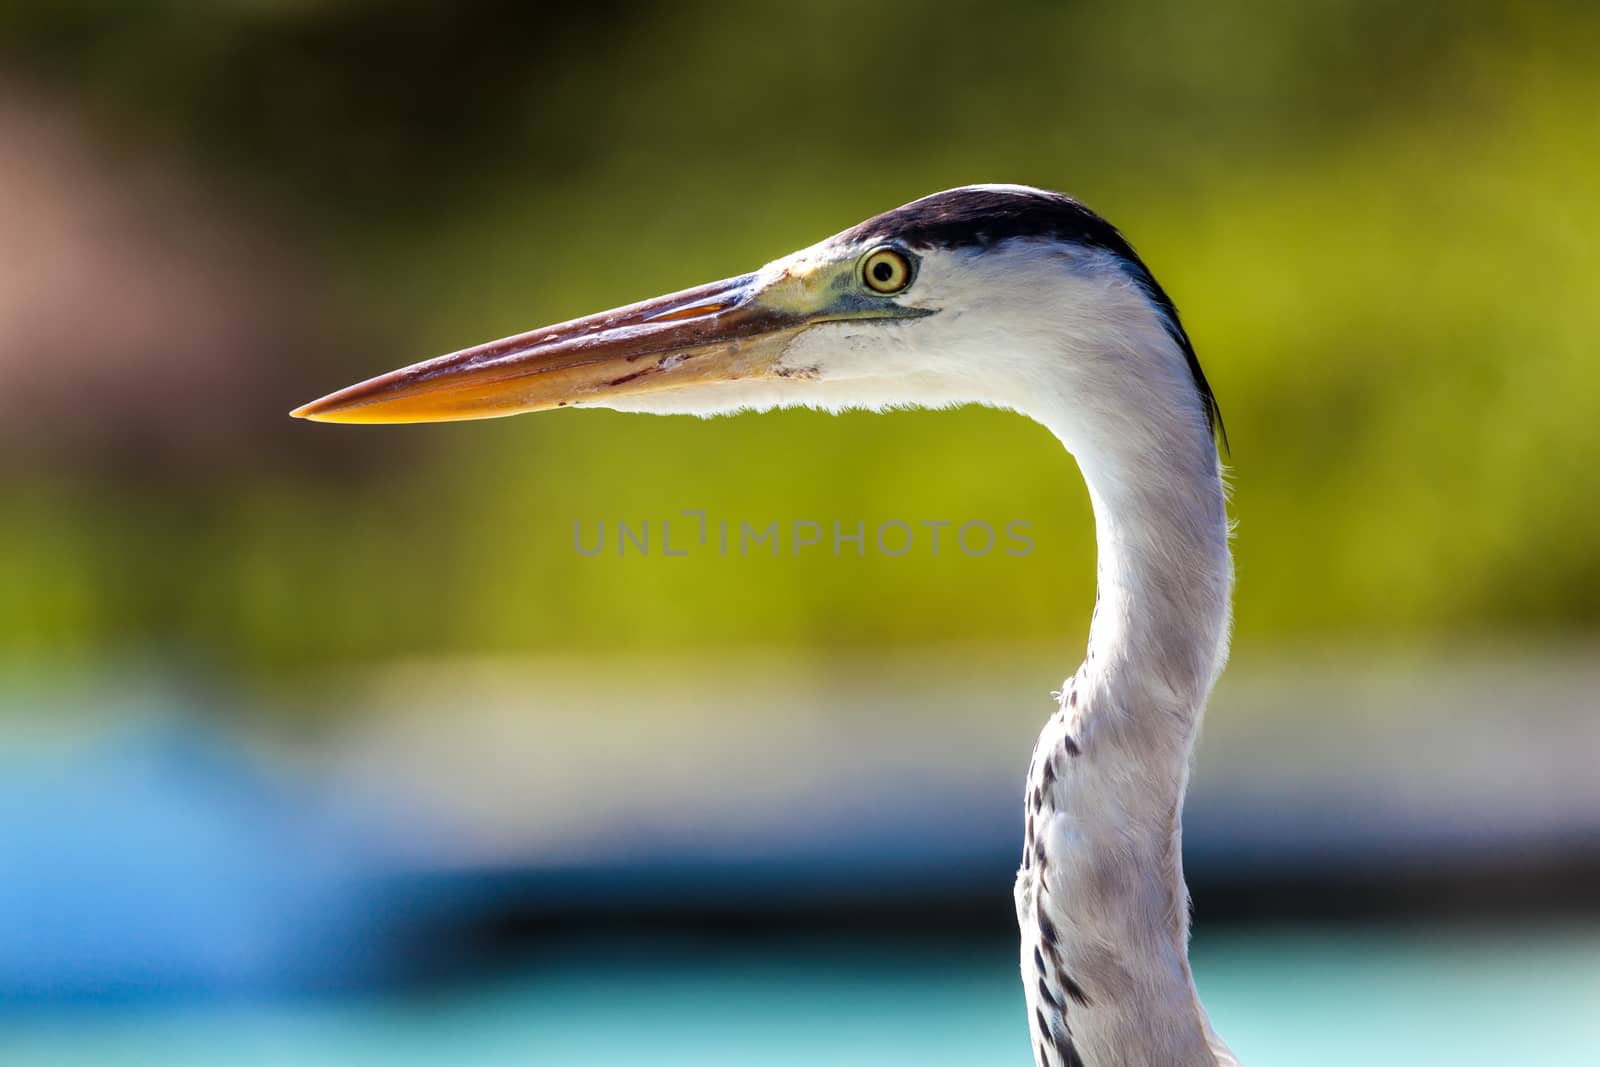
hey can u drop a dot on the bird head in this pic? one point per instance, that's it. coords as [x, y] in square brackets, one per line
[948, 300]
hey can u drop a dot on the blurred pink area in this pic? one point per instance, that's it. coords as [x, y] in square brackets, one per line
[144, 318]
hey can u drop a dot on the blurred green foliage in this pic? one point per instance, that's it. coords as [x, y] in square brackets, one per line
[1378, 218]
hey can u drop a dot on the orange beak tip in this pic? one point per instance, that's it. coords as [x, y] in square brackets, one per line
[310, 412]
[325, 412]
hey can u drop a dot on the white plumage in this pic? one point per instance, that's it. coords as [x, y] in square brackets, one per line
[1021, 300]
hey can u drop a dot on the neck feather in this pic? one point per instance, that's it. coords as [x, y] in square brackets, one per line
[1104, 873]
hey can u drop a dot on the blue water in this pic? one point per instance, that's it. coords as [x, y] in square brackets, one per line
[1302, 997]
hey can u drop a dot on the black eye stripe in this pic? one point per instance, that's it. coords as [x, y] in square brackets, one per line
[981, 217]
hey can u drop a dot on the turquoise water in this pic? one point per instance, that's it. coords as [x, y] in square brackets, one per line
[1302, 997]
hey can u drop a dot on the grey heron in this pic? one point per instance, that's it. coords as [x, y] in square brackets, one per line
[1025, 300]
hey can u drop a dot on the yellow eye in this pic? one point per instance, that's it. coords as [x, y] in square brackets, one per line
[884, 270]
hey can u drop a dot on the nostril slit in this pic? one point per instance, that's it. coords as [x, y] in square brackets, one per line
[695, 312]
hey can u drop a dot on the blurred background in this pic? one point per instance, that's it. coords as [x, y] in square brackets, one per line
[323, 745]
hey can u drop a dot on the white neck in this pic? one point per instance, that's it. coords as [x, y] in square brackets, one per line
[1069, 338]
[1105, 869]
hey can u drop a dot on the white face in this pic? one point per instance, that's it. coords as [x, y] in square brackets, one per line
[996, 325]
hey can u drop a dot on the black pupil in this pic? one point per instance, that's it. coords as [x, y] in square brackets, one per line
[882, 271]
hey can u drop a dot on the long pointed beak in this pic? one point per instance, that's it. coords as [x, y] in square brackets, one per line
[717, 332]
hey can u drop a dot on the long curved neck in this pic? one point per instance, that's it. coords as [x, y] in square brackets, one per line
[1101, 894]
[1164, 589]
